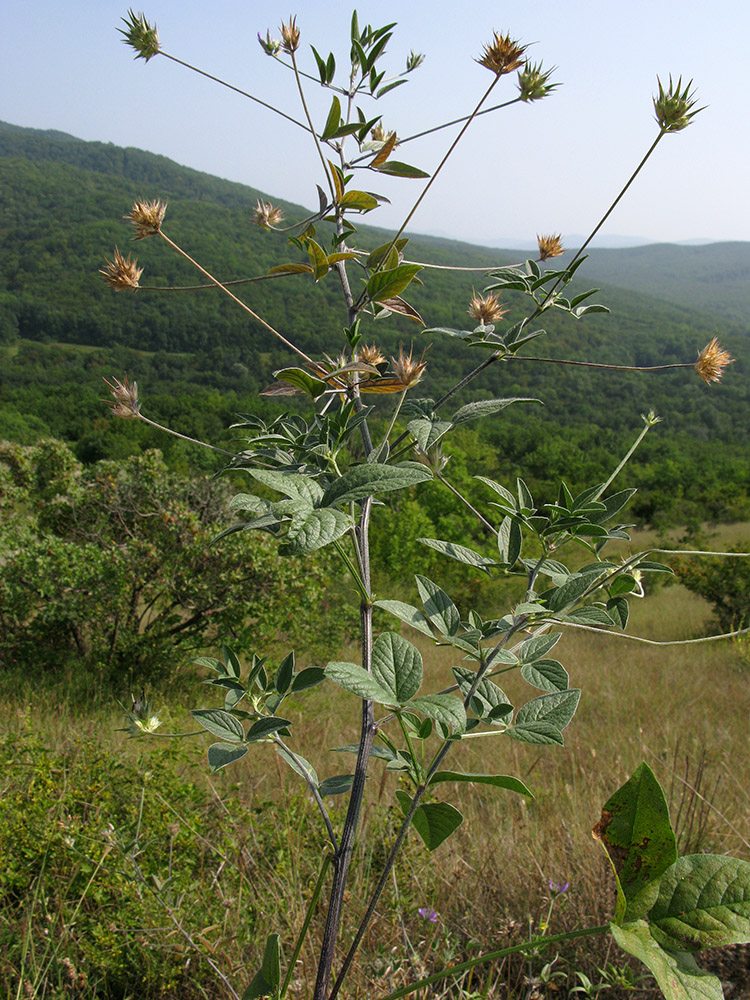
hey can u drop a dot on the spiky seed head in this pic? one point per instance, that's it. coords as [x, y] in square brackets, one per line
[550, 246]
[146, 218]
[271, 46]
[486, 309]
[413, 60]
[267, 215]
[126, 403]
[712, 361]
[673, 106]
[533, 82]
[121, 272]
[290, 34]
[502, 55]
[371, 355]
[140, 35]
[407, 370]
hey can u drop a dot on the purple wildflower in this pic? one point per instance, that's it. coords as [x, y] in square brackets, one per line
[559, 887]
[427, 913]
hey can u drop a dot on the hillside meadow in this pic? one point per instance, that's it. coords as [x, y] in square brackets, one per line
[94, 822]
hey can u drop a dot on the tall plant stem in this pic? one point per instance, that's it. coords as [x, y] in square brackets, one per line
[230, 86]
[650, 421]
[327, 859]
[493, 956]
[314, 134]
[439, 167]
[343, 856]
[234, 298]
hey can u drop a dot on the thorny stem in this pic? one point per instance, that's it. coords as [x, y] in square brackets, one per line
[234, 298]
[185, 437]
[493, 956]
[312, 127]
[237, 90]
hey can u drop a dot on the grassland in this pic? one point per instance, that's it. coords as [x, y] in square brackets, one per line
[128, 870]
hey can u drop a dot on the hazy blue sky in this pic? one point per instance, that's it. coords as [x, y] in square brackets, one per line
[548, 167]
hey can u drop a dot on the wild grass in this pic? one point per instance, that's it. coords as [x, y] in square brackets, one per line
[128, 869]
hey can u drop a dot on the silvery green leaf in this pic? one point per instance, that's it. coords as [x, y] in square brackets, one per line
[460, 553]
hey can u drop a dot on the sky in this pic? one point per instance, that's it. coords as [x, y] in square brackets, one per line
[549, 167]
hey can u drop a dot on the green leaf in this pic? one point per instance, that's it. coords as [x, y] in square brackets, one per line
[298, 377]
[534, 648]
[434, 822]
[397, 666]
[290, 484]
[509, 541]
[703, 902]
[443, 708]
[486, 407]
[498, 780]
[360, 201]
[573, 588]
[460, 553]
[298, 764]
[547, 675]
[487, 698]
[398, 169]
[678, 976]
[221, 754]
[307, 678]
[636, 833]
[619, 611]
[337, 785]
[211, 662]
[408, 614]
[318, 259]
[438, 607]
[354, 678]
[364, 481]
[391, 281]
[315, 530]
[291, 269]
[232, 662]
[557, 708]
[592, 614]
[334, 116]
[428, 432]
[265, 727]
[542, 733]
[271, 967]
[220, 723]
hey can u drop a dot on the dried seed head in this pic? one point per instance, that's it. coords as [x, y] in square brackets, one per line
[486, 309]
[371, 355]
[271, 46]
[122, 272]
[406, 370]
[140, 35]
[146, 218]
[126, 403]
[502, 55]
[290, 35]
[550, 246]
[673, 106]
[712, 361]
[267, 215]
[533, 82]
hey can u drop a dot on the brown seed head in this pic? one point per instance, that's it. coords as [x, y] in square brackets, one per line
[712, 361]
[502, 55]
[146, 218]
[290, 35]
[486, 308]
[122, 272]
[267, 215]
[550, 246]
[371, 355]
[406, 370]
[126, 402]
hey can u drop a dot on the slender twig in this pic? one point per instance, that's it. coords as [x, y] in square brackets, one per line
[225, 284]
[184, 437]
[485, 523]
[327, 860]
[596, 364]
[651, 420]
[313, 789]
[653, 642]
[237, 90]
[314, 134]
[234, 298]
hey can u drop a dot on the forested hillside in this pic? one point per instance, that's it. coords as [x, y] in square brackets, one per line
[198, 359]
